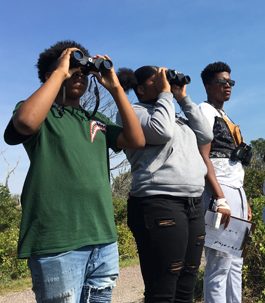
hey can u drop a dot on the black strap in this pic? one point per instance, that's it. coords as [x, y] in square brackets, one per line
[96, 92]
[242, 204]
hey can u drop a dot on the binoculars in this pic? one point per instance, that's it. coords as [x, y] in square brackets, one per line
[78, 59]
[242, 153]
[179, 79]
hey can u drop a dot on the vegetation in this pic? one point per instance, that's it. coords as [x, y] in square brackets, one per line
[254, 263]
[14, 270]
[10, 213]
[258, 154]
[126, 242]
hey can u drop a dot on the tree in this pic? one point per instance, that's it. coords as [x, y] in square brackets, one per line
[258, 154]
[9, 172]
[121, 185]
[10, 213]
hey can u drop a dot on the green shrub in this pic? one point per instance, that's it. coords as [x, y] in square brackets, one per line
[253, 182]
[126, 242]
[254, 263]
[10, 266]
[120, 210]
[10, 212]
[10, 216]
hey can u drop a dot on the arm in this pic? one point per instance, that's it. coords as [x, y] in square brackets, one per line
[158, 125]
[158, 122]
[132, 136]
[197, 121]
[31, 114]
[213, 184]
[249, 213]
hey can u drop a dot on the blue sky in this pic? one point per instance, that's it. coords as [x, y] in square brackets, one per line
[182, 35]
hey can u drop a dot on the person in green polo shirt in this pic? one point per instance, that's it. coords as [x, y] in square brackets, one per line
[67, 230]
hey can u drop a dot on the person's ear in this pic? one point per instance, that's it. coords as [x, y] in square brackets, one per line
[140, 90]
[47, 75]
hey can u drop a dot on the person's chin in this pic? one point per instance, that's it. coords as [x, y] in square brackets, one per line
[227, 97]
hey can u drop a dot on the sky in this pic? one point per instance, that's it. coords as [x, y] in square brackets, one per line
[181, 35]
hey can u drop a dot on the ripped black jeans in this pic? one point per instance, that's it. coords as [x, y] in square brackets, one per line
[169, 232]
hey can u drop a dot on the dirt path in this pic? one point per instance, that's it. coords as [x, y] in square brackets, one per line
[129, 289]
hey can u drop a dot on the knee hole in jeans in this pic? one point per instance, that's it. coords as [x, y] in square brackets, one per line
[191, 269]
[176, 267]
[165, 222]
[97, 294]
[201, 241]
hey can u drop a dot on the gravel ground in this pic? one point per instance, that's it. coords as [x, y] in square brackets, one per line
[129, 289]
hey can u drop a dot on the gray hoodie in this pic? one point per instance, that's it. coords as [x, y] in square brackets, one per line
[170, 162]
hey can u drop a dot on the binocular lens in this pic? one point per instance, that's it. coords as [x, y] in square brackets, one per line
[107, 64]
[78, 55]
[171, 74]
[187, 80]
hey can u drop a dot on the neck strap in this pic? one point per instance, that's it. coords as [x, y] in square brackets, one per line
[96, 93]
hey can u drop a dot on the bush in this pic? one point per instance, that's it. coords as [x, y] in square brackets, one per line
[126, 242]
[120, 210]
[10, 212]
[253, 182]
[10, 266]
[254, 263]
[10, 216]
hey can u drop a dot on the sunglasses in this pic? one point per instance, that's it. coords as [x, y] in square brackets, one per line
[224, 81]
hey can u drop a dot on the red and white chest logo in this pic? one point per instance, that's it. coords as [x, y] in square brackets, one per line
[94, 127]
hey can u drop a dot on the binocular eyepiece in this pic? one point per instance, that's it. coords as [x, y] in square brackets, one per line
[179, 79]
[78, 59]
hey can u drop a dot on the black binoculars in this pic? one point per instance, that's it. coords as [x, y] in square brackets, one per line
[78, 59]
[242, 153]
[179, 79]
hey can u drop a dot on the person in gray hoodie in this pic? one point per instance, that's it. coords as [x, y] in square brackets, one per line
[165, 210]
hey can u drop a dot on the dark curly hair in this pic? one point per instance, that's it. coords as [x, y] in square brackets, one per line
[131, 80]
[212, 69]
[49, 56]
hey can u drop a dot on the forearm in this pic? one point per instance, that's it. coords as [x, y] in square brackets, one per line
[197, 122]
[34, 110]
[158, 126]
[132, 136]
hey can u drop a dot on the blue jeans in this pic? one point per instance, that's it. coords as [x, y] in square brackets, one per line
[87, 274]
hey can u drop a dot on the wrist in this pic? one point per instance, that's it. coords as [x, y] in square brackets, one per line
[116, 91]
[58, 73]
[179, 97]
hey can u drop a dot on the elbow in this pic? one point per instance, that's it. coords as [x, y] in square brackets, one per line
[208, 139]
[138, 144]
[162, 136]
[24, 126]
[204, 139]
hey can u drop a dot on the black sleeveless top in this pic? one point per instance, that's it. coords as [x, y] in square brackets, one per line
[223, 143]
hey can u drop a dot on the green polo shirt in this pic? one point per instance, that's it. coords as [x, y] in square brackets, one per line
[66, 198]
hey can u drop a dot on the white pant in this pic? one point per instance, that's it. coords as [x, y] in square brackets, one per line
[222, 273]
